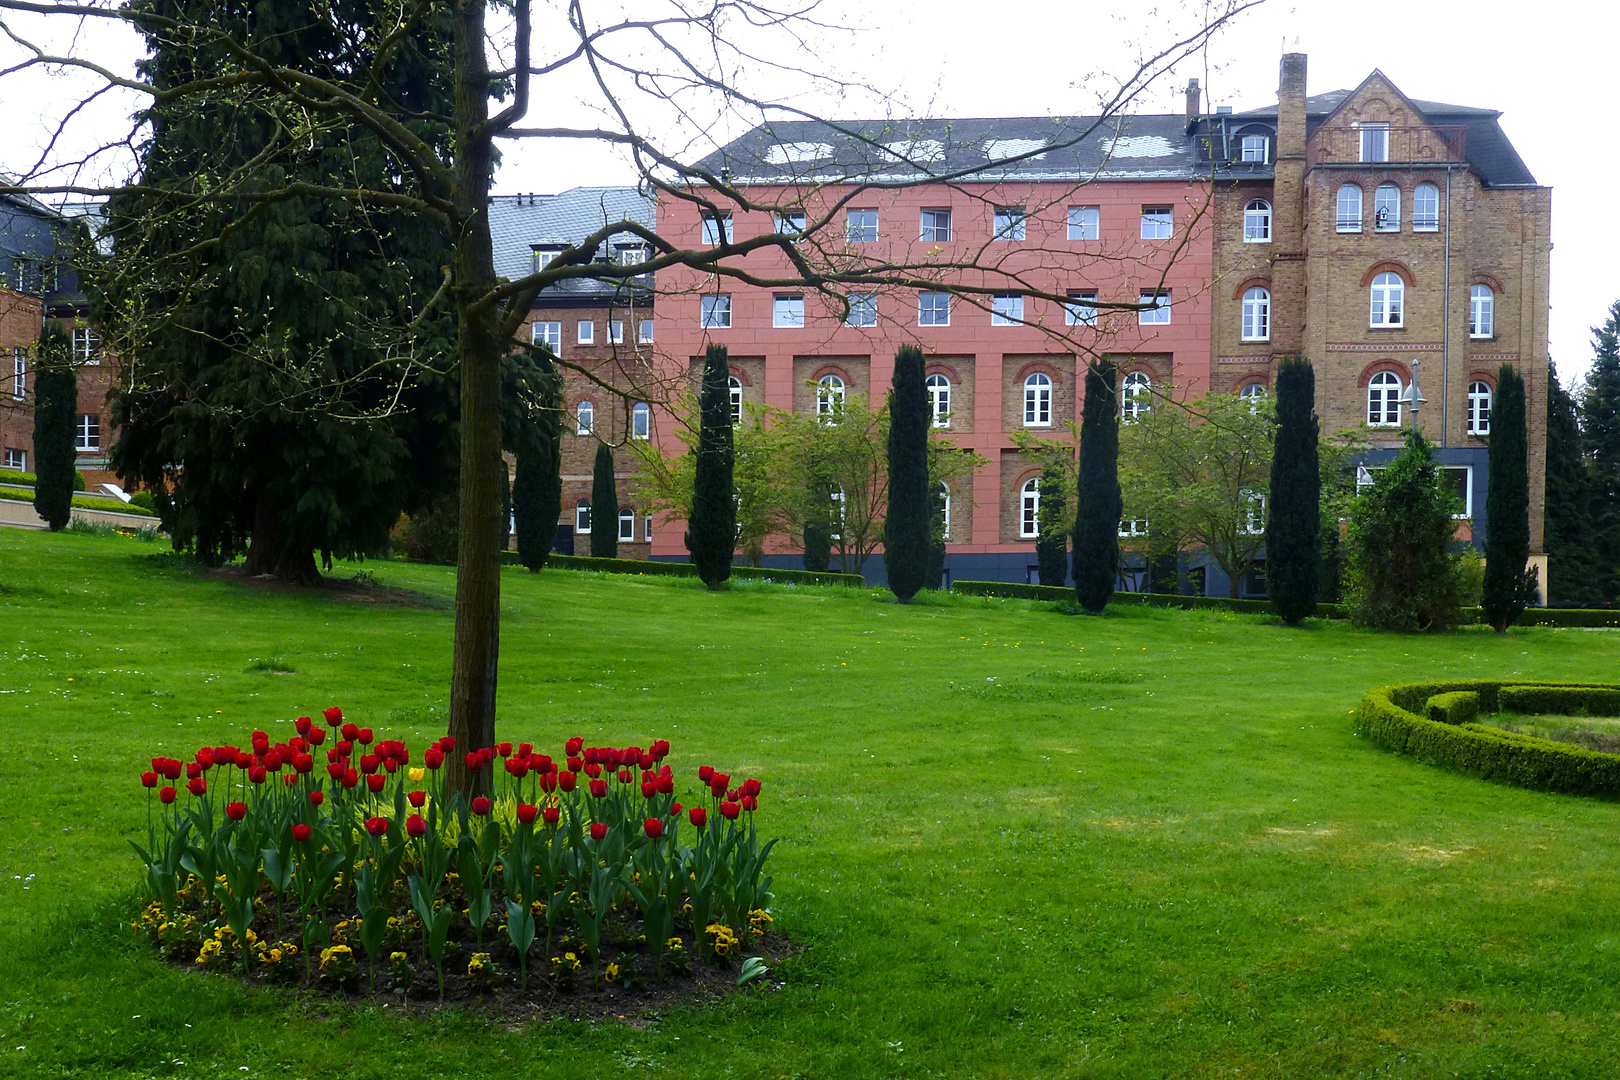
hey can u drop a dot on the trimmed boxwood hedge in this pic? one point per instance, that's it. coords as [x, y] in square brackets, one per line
[1392, 717]
[681, 569]
[84, 502]
[1457, 707]
[1562, 700]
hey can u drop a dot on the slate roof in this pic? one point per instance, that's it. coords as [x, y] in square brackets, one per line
[517, 222]
[1146, 147]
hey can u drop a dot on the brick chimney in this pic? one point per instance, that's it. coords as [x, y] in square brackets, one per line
[1291, 106]
[1194, 99]
[1288, 210]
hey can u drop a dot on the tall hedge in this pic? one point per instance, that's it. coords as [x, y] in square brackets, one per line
[1052, 546]
[1294, 516]
[1097, 514]
[1509, 584]
[906, 527]
[604, 506]
[711, 534]
[56, 403]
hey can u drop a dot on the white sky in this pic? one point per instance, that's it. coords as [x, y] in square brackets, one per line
[1549, 67]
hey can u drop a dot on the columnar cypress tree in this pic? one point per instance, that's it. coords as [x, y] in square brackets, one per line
[604, 506]
[1601, 426]
[1509, 585]
[537, 488]
[1572, 575]
[1096, 522]
[711, 534]
[1294, 521]
[1052, 547]
[906, 528]
[56, 401]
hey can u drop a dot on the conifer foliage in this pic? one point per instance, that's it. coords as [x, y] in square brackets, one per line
[56, 402]
[604, 506]
[1052, 547]
[906, 528]
[1573, 579]
[1293, 521]
[537, 487]
[1601, 424]
[1096, 523]
[711, 533]
[1509, 585]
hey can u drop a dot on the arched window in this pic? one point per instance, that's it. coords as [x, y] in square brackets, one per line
[1038, 400]
[1349, 216]
[641, 420]
[734, 391]
[1257, 222]
[1029, 518]
[584, 418]
[1479, 408]
[1257, 314]
[1481, 312]
[1426, 208]
[1254, 394]
[1135, 395]
[1388, 300]
[1387, 208]
[627, 525]
[829, 397]
[1384, 400]
[939, 399]
[942, 503]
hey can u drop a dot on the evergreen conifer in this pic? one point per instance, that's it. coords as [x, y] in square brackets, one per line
[537, 487]
[56, 403]
[1097, 513]
[604, 506]
[711, 534]
[1601, 427]
[1052, 546]
[1294, 520]
[1572, 567]
[906, 527]
[1509, 584]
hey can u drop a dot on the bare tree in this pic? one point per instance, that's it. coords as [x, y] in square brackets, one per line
[662, 75]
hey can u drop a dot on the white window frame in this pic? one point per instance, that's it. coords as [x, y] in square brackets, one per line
[1481, 311]
[646, 527]
[1255, 394]
[830, 391]
[1388, 294]
[862, 310]
[787, 311]
[1345, 220]
[1007, 309]
[715, 227]
[734, 398]
[1374, 142]
[548, 334]
[838, 499]
[86, 433]
[1257, 222]
[790, 223]
[1255, 149]
[629, 254]
[938, 387]
[1254, 522]
[1008, 223]
[935, 225]
[1158, 222]
[582, 516]
[19, 372]
[714, 311]
[1038, 400]
[544, 257]
[944, 495]
[1387, 215]
[1132, 527]
[1082, 307]
[86, 346]
[861, 226]
[1468, 489]
[1159, 313]
[1422, 222]
[1085, 223]
[616, 332]
[641, 420]
[1257, 314]
[1135, 396]
[1029, 509]
[17, 459]
[929, 304]
[627, 525]
[1383, 391]
[585, 417]
[1480, 399]
[585, 332]
[644, 332]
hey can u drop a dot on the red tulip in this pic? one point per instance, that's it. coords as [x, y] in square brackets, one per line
[149, 779]
[366, 735]
[593, 771]
[548, 782]
[705, 773]
[417, 798]
[575, 764]
[525, 749]
[375, 783]
[551, 815]
[653, 827]
[316, 735]
[574, 746]
[376, 826]
[598, 830]
[236, 811]
[350, 730]
[749, 803]
[350, 778]
[197, 785]
[716, 788]
[303, 762]
[301, 833]
[415, 826]
[648, 789]
[660, 749]
[526, 813]
[473, 759]
[626, 776]
[336, 770]
[171, 769]
[302, 724]
[166, 795]
[728, 810]
[334, 716]
[316, 798]
[598, 789]
[193, 770]
[504, 749]
[674, 809]
[566, 781]
[390, 765]
[205, 757]
[720, 779]
[261, 742]
[698, 816]
[665, 785]
[433, 757]
[480, 806]
[290, 779]
[647, 761]
[750, 787]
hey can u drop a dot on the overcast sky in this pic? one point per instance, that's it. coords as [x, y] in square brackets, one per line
[1548, 66]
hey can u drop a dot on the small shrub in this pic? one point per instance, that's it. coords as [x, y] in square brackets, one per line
[1561, 700]
[1457, 707]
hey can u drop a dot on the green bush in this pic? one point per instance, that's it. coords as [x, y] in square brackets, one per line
[83, 502]
[145, 500]
[1562, 700]
[1388, 718]
[1013, 590]
[680, 569]
[1456, 707]
[79, 482]
[12, 476]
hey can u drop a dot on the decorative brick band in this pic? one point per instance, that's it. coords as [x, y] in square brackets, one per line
[1493, 357]
[1386, 347]
[1243, 359]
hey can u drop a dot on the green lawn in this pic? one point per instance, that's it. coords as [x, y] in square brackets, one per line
[1018, 843]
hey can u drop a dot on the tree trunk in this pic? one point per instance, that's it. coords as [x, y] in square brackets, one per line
[268, 553]
[478, 581]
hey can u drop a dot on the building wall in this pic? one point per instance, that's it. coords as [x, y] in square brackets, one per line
[21, 318]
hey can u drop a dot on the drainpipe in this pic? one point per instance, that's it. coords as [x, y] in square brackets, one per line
[1445, 326]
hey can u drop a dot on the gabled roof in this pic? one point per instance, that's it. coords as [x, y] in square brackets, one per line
[518, 222]
[1145, 147]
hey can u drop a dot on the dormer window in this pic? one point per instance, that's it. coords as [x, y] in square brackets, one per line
[1255, 149]
[1374, 142]
[629, 254]
[544, 254]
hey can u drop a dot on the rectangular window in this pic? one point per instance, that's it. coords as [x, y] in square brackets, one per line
[1082, 308]
[629, 254]
[1254, 148]
[543, 257]
[87, 432]
[1459, 480]
[1133, 527]
[548, 334]
[627, 525]
[716, 230]
[19, 372]
[936, 226]
[1374, 142]
[1009, 223]
[862, 310]
[616, 332]
[1085, 223]
[1156, 222]
[1255, 523]
[790, 223]
[716, 312]
[17, 459]
[647, 526]
[1159, 313]
[587, 333]
[644, 332]
[1006, 310]
[787, 310]
[933, 309]
[86, 345]
[861, 227]
[582, 518]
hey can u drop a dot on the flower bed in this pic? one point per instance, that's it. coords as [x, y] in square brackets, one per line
[357, 874]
